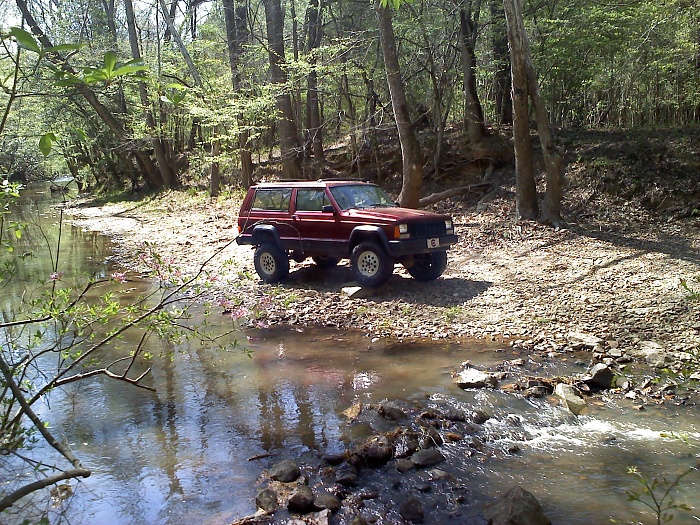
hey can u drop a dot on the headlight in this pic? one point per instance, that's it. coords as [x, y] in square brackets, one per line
[448, 225]
[401, 232]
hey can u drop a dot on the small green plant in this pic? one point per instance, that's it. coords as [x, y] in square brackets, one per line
[692, 291]
[361, 310]
[657, 494]
[452, 313]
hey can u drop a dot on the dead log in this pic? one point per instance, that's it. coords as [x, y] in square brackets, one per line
[441, 196]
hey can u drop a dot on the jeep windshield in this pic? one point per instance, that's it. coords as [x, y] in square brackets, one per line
[360, 196]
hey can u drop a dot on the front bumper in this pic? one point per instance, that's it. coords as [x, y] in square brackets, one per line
[400, 248]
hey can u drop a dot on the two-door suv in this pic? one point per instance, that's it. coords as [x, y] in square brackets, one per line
[334, 219]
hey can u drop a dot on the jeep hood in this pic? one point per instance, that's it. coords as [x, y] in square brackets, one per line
[393, 214]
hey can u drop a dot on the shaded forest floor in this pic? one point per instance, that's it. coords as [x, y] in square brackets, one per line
[623, 276]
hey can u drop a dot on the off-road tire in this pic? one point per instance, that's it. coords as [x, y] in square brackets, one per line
[271, 263]
[428, 266]
[325, 261]
[371, 266]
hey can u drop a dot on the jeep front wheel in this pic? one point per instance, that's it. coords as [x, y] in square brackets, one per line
[271, 263]
[371, 267]
[428, 266]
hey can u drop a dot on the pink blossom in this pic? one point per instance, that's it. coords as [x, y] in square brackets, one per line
[56, 276]
[119, 277]
[239, 313]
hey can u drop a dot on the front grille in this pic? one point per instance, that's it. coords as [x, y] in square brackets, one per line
[427, 229]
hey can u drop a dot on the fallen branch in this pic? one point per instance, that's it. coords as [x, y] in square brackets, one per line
[437, 197]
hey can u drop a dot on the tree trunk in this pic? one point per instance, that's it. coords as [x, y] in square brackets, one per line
[236, 18]
[553, 161]
[181, 45]
[215, 180]
[151, 174]
[412, 156]
[526, 198]
[473, 112]
[289, 142]
[313, 114]
[166, 171]
[501, 80]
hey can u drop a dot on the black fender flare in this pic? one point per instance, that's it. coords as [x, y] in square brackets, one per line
[263, 233]
[369, 233]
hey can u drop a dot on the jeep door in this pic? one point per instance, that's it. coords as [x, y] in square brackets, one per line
[316, 225]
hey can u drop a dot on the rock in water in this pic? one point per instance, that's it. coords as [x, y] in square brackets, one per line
[411, 510]
[516, 507]
[601, 376]
[473, 378]
[285, 471]
[301, 500]
[267, 500]
[571, 399]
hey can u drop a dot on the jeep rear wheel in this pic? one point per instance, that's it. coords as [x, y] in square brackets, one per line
[428, 266]
[371, 267]
[325, 261]
[271, 263]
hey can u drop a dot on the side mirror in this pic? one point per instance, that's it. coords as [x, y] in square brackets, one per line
[328, 208]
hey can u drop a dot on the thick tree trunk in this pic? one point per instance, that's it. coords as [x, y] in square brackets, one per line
[166, 171]
[236, 18]
[289, 142]
[553, 161]
[473, 112]
[412, 156]
[526, 198]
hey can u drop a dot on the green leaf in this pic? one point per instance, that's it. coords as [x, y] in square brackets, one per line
[64, 47]
[18, 234]
[25, 39]
[45, 143]
[126, 69]
[110, 63]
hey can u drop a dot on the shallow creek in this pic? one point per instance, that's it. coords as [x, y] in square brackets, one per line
[193, 451]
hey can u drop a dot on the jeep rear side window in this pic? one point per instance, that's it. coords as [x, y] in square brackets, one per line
[272, 200]
[312, 200]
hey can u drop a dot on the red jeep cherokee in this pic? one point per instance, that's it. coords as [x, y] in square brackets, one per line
[330, 220]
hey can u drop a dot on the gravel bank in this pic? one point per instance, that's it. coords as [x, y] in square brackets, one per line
[618, 281]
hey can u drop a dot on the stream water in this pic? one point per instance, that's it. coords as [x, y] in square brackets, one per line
[182, 454]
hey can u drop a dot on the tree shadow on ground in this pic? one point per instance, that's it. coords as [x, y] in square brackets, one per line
[444, 292]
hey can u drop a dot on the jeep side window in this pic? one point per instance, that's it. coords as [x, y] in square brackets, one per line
[311, 200]
[272, 200]
[360, 196]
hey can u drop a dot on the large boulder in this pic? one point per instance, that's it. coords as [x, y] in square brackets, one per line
[516, 507]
